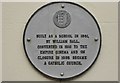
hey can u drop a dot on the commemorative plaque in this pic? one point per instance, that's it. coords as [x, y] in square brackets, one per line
[62, 39]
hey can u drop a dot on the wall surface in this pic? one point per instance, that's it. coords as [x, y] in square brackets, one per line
[15, 64]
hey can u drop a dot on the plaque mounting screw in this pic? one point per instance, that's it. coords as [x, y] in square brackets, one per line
[96, 39]
[62, 6]
[62, 74]
[28, 39]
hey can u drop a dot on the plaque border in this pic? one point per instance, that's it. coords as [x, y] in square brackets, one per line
[54, 2]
